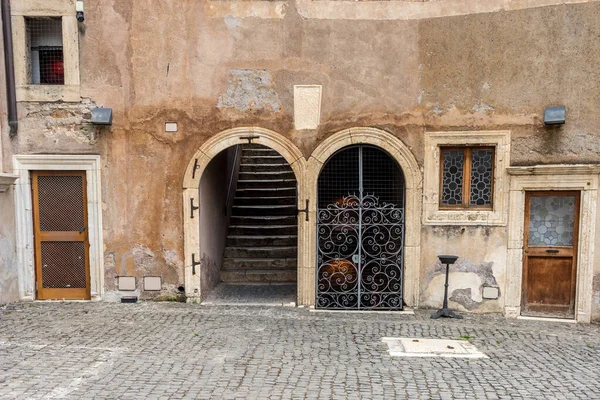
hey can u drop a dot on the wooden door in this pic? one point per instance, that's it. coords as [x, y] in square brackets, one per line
[550, 254]
[61, 238]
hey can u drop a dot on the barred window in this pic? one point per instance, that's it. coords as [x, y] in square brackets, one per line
[45, 50]
[467, 175]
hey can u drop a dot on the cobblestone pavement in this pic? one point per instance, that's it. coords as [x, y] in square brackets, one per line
[171, 350]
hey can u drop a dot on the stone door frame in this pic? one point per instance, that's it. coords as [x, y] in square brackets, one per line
[191, 226]
[23, 164]
[413, 192]
[307, 173]
[583, 178]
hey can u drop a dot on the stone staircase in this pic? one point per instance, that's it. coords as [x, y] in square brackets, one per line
[262, 237]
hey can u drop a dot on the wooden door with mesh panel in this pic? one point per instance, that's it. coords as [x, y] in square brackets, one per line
[550, 254]
[61, 237]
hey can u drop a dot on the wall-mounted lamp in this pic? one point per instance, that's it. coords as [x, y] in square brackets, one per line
[554, 115]
[79, 11]
[102, 116]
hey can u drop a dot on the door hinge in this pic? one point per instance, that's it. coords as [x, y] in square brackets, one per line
[192, 207]
[305, 211]
[194, 263]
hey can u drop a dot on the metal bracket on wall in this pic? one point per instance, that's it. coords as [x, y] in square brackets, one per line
[192, 207]
[196, 166]
[194, 263]
[249, 138]
[305, 211]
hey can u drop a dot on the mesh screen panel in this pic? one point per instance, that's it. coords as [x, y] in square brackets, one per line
[45, 50]
[61, 203]
[360, 228]
[339, 177]
[63, 265]
[382, 177]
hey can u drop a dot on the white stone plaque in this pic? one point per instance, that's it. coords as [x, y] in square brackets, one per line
[126, 283]
[152, 283]
[307, 106]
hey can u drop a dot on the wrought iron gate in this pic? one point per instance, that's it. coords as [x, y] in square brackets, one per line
[360, 231]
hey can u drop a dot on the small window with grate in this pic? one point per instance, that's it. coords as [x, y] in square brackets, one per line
[467, 175]
[45, 50]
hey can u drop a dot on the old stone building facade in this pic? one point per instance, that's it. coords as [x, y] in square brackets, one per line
[448, 95]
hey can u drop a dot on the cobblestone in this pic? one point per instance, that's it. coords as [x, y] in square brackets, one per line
[183, 351]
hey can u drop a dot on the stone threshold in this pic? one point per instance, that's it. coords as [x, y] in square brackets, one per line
[403, 312]
[547, 319]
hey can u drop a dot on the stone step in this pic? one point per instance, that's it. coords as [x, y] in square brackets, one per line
[265, 184]
[262, 210]
[263, 160]
[255, 146]
[251, 201]
[262, 240]
[231, 276]
[261, 252]
[259, 192]
[272, 220]
[264, 167]
[262, 230]
[259, 263]
[260, 152]
[267, 175]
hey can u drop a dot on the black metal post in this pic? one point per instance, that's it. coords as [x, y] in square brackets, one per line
[445, 311]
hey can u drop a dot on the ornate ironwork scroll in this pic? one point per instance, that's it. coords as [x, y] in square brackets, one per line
[359, 255]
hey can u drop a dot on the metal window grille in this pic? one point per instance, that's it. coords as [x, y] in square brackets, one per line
[467, 177]
[360, 231]
[45, 45]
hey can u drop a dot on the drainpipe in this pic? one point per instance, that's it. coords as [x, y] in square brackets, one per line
[9, 65]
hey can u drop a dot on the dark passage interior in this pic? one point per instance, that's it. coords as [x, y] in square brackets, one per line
[249, 245]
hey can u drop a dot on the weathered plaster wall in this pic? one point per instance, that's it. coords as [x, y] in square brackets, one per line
[481, 262]
[8, 267]
[210, 70]
[9, 291]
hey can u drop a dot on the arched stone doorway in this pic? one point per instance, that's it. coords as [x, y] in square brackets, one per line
[403, 156]
[360, 231]
[193, 245]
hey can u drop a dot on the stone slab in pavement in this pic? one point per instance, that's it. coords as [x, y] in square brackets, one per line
[89, 350]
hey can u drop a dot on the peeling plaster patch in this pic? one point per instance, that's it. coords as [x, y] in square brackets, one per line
[421, 92]
[464, 296]
[437, 110]
[174, 262]
[482, 107]
[250, 89]
[231, 22]
[483, 270]
[60, 122]
[141, 258]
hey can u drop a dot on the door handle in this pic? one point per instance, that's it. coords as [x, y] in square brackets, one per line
[551, 251]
